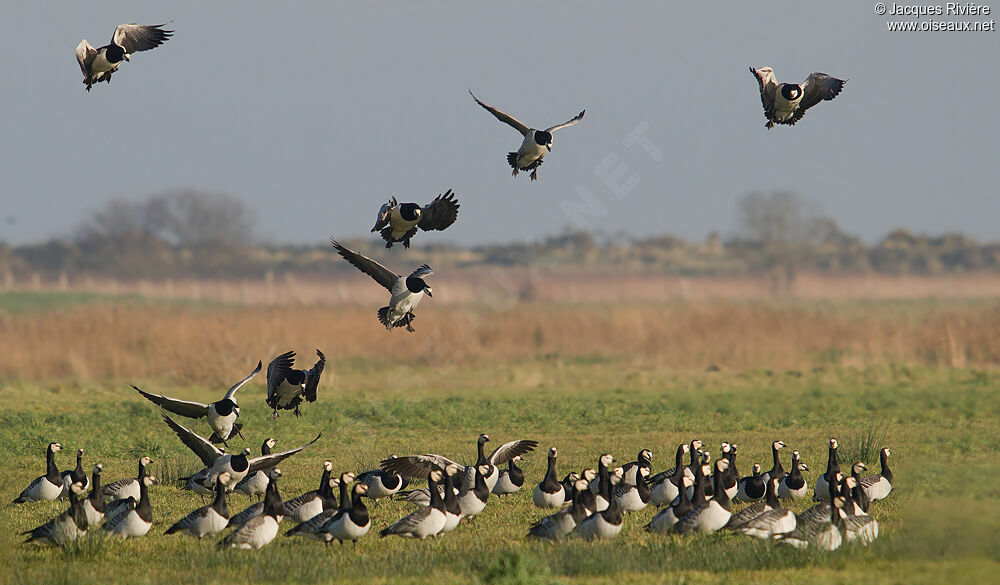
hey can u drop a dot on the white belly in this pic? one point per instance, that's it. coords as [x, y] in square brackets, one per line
[596, 527]
[878, 490]
[253, 485]
[783, 109]
[788, 493]
[630, 501]
[713, 517]
[470, 504]
[344, 529]
[94, 518]
[131, 526]
[530, 151]
[546, 500]
[431, 525]
[211, 523]
[262, 534]
[451, 522]
[45, 491]
[101, 64]
[663, 493]
[663, 521]
[306, 511]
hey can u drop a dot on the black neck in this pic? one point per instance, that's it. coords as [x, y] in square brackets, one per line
[886, 472]
[219, 503]
[359, 512]
[51, 471]
[144, 509]
[273, 506]
[436, 501]
[481, 460]
[450, 499]
[720, 495]
[345, 502]
[550, 471]
[769, 496]
[96, 497]
[832, 465]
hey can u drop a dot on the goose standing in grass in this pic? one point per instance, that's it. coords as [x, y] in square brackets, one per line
[755, 509]
[260, 530]
[567, 483]
[352, 522]
[419, 465]
[405, 292]
[511, 479]
[564, 522]
[48, 487]
[858, 526]
[425, 521]
[667, 517]
[776, 471]
[663, 486]
[715, 513]
[752, 487]
[472, 500]
[820, 535]
[254, 484]
[821, 492]
[536, 142]
[729, 480]
[303, 507]
[382, 484]
[131, 518]
[313, 527]
[858, 500]
[694, 450]
[452, 510]
[793, 486]
[549, 493]
[287, 386]
[77, 474]
[821, 511]
[878, 487]
[94, 506]
[602, 496]
[128, 487]
[221, 415]
[769, 523]
[216, 461]
[632, 498]
[209, 519]
[631, 469]
[398, 222]
[786, 103]
[65, 527]
[606, 523]
[98, 64]
[698, 492]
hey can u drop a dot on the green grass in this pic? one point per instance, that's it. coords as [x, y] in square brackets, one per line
[940, 523]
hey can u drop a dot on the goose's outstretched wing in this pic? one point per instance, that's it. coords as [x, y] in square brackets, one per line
[381, 274]
[312, 377]
[817, 87]
[567, 123]
[201, 446]
[505, 118]
[267, 461]
[238, 385]
[508, 451]
[186, 408]
[440, 213]
[416, 466]
[138, 37]
[85, 56]
[768, 86]
[382, 219]
[277, 371]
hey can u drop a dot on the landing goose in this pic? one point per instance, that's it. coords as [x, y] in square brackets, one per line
[260, 530]
[131, 518]
[353, 522]
[667, 517]
[753, 487]
[216, 461]
[287, 386]
[536, 142]
[511, 479]
[303, 507]
[452, 510]
[606, 523]
[221, 414]
[66, 527]
[419, 465]
[786, 103]
[47, 487]
[632, 498]
[644, 459]
[664, 490]
[714, 514]
[472, 500]
[769, 523]
[128, 487]
[776, 470]
[382, 484]
[793, 486]
[254, 484]
[405, 292]
[877, 487]
[564, 522]
[98, 64]
[209, 519]
[858, 499]
[77, 474]
[821, 493]
[426, 521]
[820, 535]
[549, 493]
[755, 509]
[398, 222]
[94, 506]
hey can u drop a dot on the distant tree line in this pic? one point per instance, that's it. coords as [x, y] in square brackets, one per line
[191, 233]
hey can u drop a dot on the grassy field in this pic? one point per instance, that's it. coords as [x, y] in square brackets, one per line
[922, 373]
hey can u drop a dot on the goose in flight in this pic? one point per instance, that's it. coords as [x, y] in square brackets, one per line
[786, 103]
[398, 222]
[221, 414]
[406, 291]
[98, 64]
[536, 144]
[286, 386]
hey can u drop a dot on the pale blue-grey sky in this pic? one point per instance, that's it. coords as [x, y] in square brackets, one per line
[314, 113]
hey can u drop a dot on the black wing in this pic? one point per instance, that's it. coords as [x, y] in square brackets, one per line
[440, 213]
[505, 118]
[817, 88]
[381, 274]
[312, 378]
[277, 371]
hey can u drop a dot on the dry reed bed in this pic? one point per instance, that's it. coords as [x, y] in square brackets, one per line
[199, 344]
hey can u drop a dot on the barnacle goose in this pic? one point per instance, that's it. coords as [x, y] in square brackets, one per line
[715, 513]
[68, 526]
[260, 530]
[472, 501]
[821, 493]
[588, 499]
[312, 528]
[644, 459]
[776, 469]
[382, 484]
[425, 521]
[47, 487]
[303, 507]
[786, 103]
[77, 474]
[603, 494]
[351, 522]
[606, 523]
[877, 487]
[511, 479]
[452, 510]
[752, 487]
[130, 486]
[209, 519]
[667, 517]
[94, 506]
[131, 518]
[793, 486]
[767, 524]
[549, 493]
[755, 509]
[826, 535]
[664, 490]
[254, 484]
[857, 500]
[632, 498]
[861, 527]
[565, 521]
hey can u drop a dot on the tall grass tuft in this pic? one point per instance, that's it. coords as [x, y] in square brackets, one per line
[515, 568]
[865, 444]
[90, 546]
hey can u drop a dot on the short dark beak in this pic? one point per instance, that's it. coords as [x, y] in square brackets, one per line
[548, 147]
[127, 58]
[428, 291]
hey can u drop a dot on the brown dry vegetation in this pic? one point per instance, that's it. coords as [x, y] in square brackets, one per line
[131, 339]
